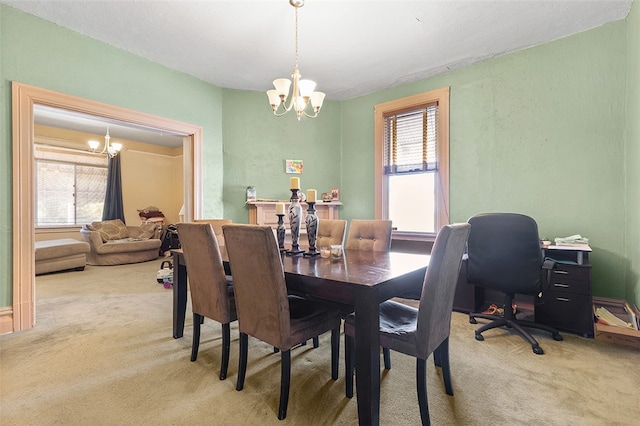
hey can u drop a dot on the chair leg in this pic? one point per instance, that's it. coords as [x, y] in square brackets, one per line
[442, 354]
[197, 320]
[316, 342]
[386, 354]
[421, 384]
[242, 363]
[226, 344]
[335, 352]
[285, 380]
[348, 364]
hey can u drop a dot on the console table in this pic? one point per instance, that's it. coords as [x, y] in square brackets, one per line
[264, 212]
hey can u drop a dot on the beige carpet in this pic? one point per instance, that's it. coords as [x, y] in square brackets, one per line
[102, 354]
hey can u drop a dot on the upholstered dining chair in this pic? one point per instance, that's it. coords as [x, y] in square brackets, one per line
[372, 235]
[266, 311]
[216, 224]
[425, 330]
[505, 255]
[330, 232]
[211, 290]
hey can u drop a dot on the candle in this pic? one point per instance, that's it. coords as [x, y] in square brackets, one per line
[311, 195]
[280, 208]
[294, 183]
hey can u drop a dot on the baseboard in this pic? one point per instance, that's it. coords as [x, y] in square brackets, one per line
[6, 320]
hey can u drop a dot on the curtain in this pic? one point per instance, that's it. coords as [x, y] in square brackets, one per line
[113, 206]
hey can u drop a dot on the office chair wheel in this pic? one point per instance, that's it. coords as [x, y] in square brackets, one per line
[479, 337]
[472, 320]
[557, 337]
[537, 350]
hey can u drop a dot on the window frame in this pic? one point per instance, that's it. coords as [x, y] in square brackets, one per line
[69, 151]
[441, 96]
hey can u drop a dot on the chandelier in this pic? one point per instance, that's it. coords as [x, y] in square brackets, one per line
[110, 149]
[303, 90]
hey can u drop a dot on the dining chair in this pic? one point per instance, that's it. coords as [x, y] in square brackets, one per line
[372, 235]
[331, 232]
[266, 311]
[211, 290]
[425, 330]
[216, 224]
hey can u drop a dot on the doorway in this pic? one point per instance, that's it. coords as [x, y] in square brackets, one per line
[24, 98]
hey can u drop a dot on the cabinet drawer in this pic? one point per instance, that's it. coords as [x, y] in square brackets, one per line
[566, 311]
[568, 286]
[564, 273]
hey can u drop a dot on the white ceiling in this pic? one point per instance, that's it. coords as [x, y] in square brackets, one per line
[350, 48]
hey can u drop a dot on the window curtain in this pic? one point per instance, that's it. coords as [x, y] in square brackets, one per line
[113, 206]
[410, 141]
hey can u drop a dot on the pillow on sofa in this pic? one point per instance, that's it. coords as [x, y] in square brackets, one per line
[111, 229]
[147, 230]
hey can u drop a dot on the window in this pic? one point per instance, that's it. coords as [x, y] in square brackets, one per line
[70, 186]
[412, 163]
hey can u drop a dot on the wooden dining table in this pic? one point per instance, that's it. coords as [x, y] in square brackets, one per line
[360, 280]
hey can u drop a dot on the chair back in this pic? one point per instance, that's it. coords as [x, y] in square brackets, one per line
[216, 224]
[330, 232]
[258, 282]
[439, 288]
[207, 280]
[369, 235]
[504, 253]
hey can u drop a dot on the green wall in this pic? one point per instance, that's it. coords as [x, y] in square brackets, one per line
[632, 155]
[256, 145]
[539, 132]
[39, 53]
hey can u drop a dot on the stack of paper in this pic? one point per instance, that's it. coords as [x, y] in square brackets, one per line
[608, 318]
[573, 240]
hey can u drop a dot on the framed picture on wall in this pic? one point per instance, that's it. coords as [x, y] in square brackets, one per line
[293, 166]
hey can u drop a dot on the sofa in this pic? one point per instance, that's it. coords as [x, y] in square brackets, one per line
[111, 242]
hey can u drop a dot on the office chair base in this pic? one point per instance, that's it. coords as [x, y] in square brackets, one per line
[517, 325]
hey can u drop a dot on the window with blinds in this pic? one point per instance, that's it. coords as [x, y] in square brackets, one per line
[410, 141]
[412, 163]
[70, 186]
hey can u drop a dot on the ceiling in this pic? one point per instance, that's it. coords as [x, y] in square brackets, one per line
[350, 48]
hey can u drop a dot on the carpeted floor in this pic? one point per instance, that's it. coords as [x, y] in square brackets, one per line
[102, 354]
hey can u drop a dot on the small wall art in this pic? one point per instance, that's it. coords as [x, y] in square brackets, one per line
[293, 166]
[335, 194]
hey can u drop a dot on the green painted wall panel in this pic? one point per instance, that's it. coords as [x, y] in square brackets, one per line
[256, 145]
[632, 155]
[538, 132]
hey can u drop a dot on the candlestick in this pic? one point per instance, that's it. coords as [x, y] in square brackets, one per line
[294, 183]
[295, 219]
[281, 230]
[311, 195]
[280, 208]
[312, 227]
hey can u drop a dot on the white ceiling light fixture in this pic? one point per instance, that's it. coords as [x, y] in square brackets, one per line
[303, 90]
[110, 149]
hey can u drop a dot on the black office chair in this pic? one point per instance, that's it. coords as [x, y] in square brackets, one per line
[505, 255]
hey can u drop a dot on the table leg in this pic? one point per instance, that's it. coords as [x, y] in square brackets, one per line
[368, 357]
[179, 295]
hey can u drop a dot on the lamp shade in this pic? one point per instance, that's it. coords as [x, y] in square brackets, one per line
[306, 87]
[282, 86]
[317, 98]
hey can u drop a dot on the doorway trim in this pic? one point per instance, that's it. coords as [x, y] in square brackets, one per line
[24, 97]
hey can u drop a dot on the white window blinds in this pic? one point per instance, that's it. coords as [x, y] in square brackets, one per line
[410, 140]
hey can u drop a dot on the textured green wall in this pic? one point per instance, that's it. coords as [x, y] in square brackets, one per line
[539, 132]
[42, 54]
[256, 145]
[632, 154]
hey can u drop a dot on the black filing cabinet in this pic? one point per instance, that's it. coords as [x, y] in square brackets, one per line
[566, 303]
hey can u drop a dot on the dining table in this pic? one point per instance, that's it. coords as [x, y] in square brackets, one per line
[358, 280]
